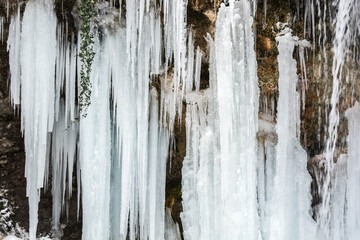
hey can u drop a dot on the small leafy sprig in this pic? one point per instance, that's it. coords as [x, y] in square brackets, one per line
[87, 14]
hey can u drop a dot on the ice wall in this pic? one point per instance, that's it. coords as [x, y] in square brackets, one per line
[291, 200]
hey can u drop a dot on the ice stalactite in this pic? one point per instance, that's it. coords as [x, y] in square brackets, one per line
[238, 111]
[304, 79]
[175, 34]
[33, 52]
[124, 139]
[291, 201]
[65, 132]
[139, 145]
[66, 60]
[64, 145]
[13, 46]
[352, 217]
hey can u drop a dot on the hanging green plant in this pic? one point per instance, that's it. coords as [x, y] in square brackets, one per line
[86, 14]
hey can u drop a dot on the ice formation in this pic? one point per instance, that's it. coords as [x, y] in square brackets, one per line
[291, 200]
[238, 112]
[122, 161]
[216, 194]
[36, 54]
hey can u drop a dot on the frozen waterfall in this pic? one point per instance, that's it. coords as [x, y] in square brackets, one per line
[246, 171]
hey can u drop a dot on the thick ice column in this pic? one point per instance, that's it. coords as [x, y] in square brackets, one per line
[238, 110]
[353, 173]
[291, 201]
[37, 60]
[124, 139]
[158, 151]
[195, 127]
[95, 150]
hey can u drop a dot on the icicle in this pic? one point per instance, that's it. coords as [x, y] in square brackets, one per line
[158, 151]
[139, 148]
[124, 151]
[60, 66]
[13, 46]
[95, 150]
[238, 110]
[302, 45]
[64, 143]
[198, 68]
[175, 48]
[156, 43]
[189, 84]
[291, 200]
[142, 100]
